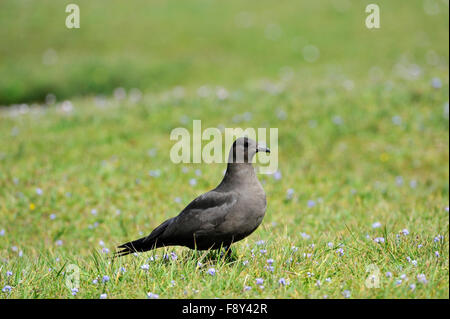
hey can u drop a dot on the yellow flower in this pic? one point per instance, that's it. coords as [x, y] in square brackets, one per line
[384, 157]
[32, 206]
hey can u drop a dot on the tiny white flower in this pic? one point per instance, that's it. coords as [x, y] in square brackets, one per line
[152, 296]
[376, 225]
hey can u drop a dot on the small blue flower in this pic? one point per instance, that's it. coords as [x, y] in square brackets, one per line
[212, 271]
[379, 240]
[103, 296]
[9, 273]
[340, 252]
[305, 236]
[154, 173]
[290, 193]
[269, 268]
[247, 288]
[346, 294]
[152, 296]
[438, 238]
[282, 281]
[145, 267]
[376, 225]
[152, 152]
[338, 120]
[397, 120]
[422, 278]
[105, 279]
[277, 175]
[7, 288]
[311, 203]
[270, 261]
[259, 281]
[74, 291]
[436, 83]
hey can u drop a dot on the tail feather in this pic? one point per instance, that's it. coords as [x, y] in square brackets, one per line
[143, 244]
[135, 246]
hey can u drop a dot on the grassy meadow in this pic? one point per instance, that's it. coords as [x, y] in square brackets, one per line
[362, 188]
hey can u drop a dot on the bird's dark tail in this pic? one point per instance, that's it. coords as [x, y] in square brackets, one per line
[135, 246]
[145, 243]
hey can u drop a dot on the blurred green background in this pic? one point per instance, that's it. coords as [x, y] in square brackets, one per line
[152, 45]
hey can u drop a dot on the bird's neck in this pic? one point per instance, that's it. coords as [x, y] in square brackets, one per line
[239, 174]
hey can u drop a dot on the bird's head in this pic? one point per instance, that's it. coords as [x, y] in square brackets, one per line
[244, 149]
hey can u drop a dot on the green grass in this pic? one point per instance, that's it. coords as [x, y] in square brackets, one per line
[350, 132]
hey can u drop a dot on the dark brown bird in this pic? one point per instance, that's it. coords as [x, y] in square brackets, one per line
[218, 218]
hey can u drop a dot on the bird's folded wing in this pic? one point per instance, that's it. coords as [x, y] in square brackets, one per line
[204, 213]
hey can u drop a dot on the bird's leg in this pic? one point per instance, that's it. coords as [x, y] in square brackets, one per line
[228, 253]
[228, 250]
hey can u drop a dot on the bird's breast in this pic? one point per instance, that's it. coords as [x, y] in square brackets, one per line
[248, 213]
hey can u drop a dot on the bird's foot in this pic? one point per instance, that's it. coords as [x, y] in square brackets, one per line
[227, 254]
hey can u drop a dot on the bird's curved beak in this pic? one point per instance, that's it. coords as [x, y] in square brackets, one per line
[262, 148]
